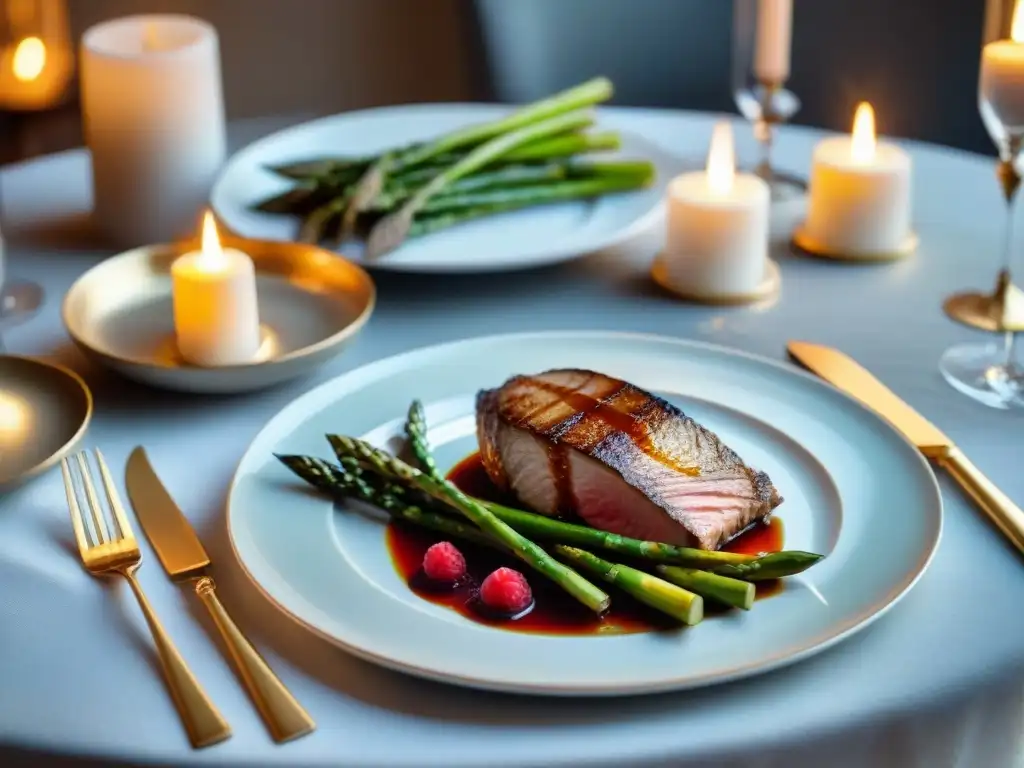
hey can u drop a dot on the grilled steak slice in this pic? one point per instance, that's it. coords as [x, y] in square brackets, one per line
[579, 442]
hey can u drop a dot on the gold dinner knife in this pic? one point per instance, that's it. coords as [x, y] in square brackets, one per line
[184, 558]
[847, 375]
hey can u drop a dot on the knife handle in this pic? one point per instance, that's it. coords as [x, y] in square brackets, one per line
[1007, 516]
[284, 716]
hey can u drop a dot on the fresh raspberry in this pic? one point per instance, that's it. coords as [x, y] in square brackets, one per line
[444, 563]
[506, 591]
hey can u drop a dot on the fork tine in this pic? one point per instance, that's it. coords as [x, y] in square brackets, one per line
[94, 503]
[76, 511]
[112, 496]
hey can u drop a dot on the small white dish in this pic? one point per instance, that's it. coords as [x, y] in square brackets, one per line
[841, 469]
[517, 240]
[312, 303]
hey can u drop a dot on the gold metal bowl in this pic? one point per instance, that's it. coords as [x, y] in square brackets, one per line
[312, 304]
[45, 410]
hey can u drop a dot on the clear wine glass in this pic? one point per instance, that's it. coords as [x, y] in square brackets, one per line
[18, 300]
[762, 31]
[991, 372]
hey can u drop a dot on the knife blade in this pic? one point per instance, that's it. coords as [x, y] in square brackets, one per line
[846, 374]
[184, 557]
[168, 530]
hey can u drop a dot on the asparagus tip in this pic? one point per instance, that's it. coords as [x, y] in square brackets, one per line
[389, 233]
[370, 184]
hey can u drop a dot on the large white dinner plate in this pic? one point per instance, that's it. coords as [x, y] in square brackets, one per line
[516, 240]
[854, 490]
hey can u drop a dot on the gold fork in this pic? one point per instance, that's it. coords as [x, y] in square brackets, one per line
[119, 554]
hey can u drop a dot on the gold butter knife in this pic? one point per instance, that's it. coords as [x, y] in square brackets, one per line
[183, 557]
[846, 374]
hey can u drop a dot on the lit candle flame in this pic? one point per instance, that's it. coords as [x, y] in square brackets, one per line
[721, 168]
[29, 59]
[212, 255]
[863, 141]
[1017, 24]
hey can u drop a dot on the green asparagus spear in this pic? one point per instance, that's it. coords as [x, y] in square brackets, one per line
[314, 225]
[734, 564]
[372, 181]
[305, 170]
[291, 201]
[503, 178]
[533, 555]
[537, 194]
[337, 481]
[657, 593]
[554, 148]
[722, 589]
[416, 432]
[392, 230]
[430, 224]
[774, 565]
[575, 169]
[584, 95]
[564, 146]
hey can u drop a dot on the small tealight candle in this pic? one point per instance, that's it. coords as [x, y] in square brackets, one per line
[859, 195]
[717, 238]
[216, 318]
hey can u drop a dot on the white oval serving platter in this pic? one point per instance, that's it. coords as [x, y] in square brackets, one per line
[528, 238]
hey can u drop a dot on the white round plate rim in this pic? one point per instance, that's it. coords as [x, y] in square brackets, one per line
[283, 596]
[245, 162]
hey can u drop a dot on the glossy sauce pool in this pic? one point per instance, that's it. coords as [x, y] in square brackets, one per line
[553, 612]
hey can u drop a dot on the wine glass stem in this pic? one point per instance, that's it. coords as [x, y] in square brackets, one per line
[763, 131]
[1008, 235]
[1009, 347]
[1010, 338]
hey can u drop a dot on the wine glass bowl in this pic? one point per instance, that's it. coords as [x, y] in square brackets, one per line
[18, 302]
[989, 372]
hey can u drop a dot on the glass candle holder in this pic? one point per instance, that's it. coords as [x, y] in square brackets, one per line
[990, 372]
[762, 31]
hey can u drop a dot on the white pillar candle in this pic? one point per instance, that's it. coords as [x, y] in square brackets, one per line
[717, 227]
[772, 40]
[859, 194]
[154, 122]
[1002, 76]
[216, 318]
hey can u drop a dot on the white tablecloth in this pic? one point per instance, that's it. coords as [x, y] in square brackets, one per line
[937, 683]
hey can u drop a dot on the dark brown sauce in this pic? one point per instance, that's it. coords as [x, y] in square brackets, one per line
[619, 420]
[553, 612]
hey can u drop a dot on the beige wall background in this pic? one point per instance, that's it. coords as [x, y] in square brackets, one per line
[323, 56]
